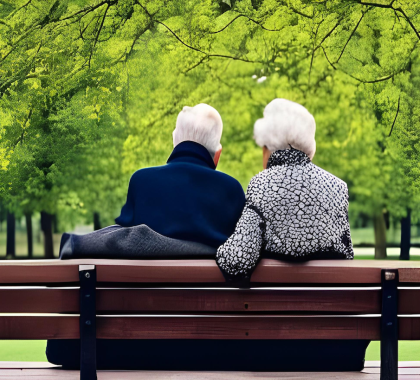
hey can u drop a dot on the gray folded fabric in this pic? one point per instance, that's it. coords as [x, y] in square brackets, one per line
[138, 242]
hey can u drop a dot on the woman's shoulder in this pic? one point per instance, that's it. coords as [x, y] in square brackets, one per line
[329, 178]
[258, 180]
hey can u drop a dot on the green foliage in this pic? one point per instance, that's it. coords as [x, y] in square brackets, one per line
[90, 91]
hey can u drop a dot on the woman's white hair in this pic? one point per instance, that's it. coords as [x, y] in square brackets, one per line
[201, 124]
[286, 123]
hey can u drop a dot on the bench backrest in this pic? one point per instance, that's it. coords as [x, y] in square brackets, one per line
[188, 299]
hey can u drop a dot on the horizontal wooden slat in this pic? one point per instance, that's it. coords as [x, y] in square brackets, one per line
[409, 301]
[205, 271]
[56, 300]
[39, 327]
[410, 274]
[334, 271]
[43, 300]
[37, 272]
[142, 271]
[205, 327]
[246, 301]
[409, 328]
[193, 327]
[256, 327]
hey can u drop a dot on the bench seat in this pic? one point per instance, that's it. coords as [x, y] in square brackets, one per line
[206, 271]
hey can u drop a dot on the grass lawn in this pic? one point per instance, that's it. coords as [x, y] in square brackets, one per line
[23, 350]
[34, 351]
[407, 351]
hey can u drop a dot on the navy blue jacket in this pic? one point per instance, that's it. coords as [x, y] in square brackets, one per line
[185, 199]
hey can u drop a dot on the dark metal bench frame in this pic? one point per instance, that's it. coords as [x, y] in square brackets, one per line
[389, 323]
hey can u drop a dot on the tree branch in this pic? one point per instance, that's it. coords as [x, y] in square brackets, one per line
[320, 46]
[97, 34]
[126, 54]
[23, 36]
[22, 135]
[18, 9]
[250, 19]
[377, 5]
[5, 23]
[89, 9]
[409, 21]
[351, 35]
[396, 115]
[325, 53]
[84, 29]
[204, 58]
[230, 22]
[300, 13]
[390, 6]
[329, 33]
[209, 55]
[203, 52]
[371, 81]
[20, 75]
[314, 49]
[182, 42]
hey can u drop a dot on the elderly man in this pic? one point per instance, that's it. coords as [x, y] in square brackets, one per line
[186, 199]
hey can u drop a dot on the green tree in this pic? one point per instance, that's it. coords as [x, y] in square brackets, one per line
[90, 91]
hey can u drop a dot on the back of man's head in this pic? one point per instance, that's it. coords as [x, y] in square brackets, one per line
[201, 124]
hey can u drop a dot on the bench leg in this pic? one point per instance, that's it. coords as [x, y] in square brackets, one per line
[389, 325]
[87, 276]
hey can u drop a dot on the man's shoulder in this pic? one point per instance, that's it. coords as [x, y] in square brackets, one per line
[232, 183]
[226, 177]
[214, 175]
[147, 171]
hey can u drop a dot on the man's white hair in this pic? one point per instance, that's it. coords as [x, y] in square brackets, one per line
[286, 123]
[201, 124]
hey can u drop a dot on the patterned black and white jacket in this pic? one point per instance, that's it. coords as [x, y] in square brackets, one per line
[293, 210]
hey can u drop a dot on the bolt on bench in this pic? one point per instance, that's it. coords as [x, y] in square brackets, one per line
[188, 299]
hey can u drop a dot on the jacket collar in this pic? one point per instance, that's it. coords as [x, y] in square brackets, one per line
[290, 156]
[192, 152]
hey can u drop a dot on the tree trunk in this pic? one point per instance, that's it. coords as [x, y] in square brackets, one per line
[96, 221]
[54, 223]
[380, 235]
[387, 220]
[1, 216]
[405, 236]
[29, 237]
[46, 227]
[11, 235]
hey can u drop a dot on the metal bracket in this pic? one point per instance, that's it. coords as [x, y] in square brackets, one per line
[389, 325]
[87, 277]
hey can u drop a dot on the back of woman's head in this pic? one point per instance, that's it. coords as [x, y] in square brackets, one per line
[286, 124]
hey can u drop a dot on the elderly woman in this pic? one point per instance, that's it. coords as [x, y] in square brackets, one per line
[294, 209]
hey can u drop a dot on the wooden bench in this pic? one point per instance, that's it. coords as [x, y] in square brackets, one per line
[188, 299]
